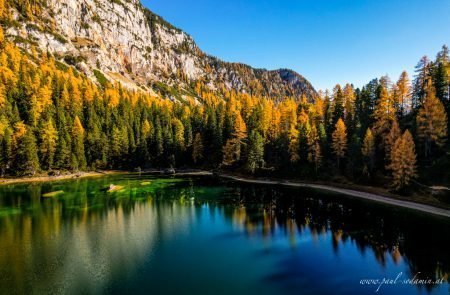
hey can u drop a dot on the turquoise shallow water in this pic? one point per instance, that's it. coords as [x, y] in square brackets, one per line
[209, 236]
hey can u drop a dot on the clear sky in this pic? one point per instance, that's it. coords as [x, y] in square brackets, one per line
[327, 41]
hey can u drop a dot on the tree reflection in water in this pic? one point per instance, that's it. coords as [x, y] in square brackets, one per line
[422, 241]
[107, 235]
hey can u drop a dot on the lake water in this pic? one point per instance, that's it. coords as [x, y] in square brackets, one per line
[210, 236]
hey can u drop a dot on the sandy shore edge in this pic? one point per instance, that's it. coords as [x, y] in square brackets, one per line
[78, 175]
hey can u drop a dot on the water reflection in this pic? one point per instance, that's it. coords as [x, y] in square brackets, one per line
[88, 241]
[402, 236]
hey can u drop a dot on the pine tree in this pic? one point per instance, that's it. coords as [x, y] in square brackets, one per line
[368, 151]
[339, 141]
[78, 155]
[294, 144]
[421, 81]
[403, 161]
[255, 158]
[441, 77]
[25, 160]
[432, 122]
[197, 149]
[338, 104]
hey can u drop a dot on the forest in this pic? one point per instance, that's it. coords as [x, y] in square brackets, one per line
[54, 118]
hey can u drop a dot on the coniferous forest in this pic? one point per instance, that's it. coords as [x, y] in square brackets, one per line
[54, 118]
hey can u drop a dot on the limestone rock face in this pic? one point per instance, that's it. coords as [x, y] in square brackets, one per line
[134, 46]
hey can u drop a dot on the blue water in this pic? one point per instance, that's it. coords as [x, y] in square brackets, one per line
[209, 236]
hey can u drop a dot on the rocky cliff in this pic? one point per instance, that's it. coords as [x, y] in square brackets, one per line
[126, 42]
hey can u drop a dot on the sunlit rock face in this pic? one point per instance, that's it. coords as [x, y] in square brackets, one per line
[130, 44]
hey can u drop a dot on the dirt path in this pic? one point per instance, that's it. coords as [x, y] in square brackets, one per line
[353, 193]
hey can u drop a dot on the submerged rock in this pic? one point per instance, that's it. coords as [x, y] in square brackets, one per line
[114, 188]
[53, 194]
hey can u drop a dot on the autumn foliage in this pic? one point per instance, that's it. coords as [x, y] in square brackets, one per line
[53, 117]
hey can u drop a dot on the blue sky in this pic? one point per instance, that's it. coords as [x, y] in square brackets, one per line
[327, 41]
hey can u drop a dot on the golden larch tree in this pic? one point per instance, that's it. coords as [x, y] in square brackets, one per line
[49, 137]
[432, 122]
[403, 95]
[390, 139]
[232, 149]
[384, 112]
[403, 161]
[339, 140]
[368, 151]
[314, 150]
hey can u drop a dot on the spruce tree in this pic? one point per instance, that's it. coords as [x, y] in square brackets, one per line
[255, 157]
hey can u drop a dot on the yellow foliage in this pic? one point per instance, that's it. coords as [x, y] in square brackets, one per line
[403, 161]
[20, 129]
[384, 112]
[432, 122]
[77, 130]
[288, 110]
[340, 140]
[2, 36]
[240, 129]
[146, 129]
[49, 136]
[2, 95]
[41, 100]
[3, 125]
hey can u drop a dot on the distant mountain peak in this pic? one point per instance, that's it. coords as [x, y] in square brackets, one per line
[128, 43]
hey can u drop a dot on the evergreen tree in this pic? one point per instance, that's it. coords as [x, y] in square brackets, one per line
[421, 81]
[78, 155]
[255, 158]
[197, 150]
[25, 160]
[441, 77]
[338, 104]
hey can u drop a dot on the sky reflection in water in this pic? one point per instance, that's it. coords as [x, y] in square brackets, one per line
[203, 235]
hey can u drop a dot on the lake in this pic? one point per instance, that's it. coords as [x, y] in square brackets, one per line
[203, 235]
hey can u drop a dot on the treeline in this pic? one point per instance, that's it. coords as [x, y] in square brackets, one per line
[54, 118]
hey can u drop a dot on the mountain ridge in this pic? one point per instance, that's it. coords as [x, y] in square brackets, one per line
[128, 43]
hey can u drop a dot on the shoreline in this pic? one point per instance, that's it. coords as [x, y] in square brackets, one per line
[47, 178]
[349, 192]
[99, 173]
[361, 194]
